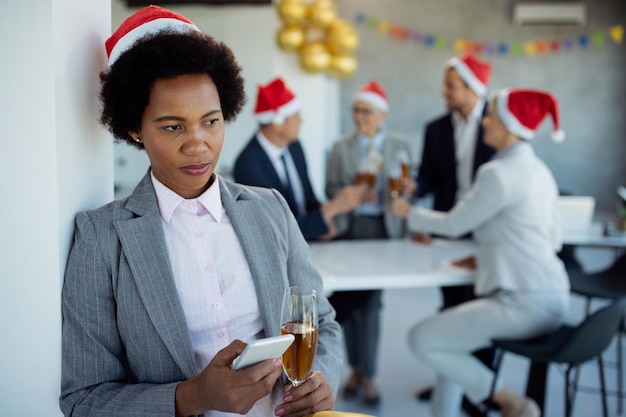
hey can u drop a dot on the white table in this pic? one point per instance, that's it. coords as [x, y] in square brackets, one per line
[401, 263]
[594, 237]
[393, 263]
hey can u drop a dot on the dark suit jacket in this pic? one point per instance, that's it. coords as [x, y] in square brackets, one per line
[254, 167]
[437, 172]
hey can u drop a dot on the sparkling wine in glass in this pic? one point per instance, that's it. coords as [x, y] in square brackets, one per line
[395, 180]
[405, 164]
[299, 317]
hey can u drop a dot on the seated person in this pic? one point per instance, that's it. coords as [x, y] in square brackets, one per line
[522, 286]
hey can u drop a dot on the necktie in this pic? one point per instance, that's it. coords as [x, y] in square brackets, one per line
[289, 195]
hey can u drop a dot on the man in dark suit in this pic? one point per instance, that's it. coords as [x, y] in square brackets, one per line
[274, 158]
[452, 152]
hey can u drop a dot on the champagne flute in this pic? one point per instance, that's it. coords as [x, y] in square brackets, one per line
[405, 164]
[366, 176]
[395, 180]
[299, 317]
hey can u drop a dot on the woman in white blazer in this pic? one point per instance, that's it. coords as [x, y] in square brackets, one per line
[522, 286]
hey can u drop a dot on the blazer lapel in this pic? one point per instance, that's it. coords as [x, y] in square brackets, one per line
[448, 149]
[269, 172]
[354, 152]
[261, 249]
[144, 245]
[297, 153]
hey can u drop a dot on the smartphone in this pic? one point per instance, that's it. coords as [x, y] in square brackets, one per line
[263, 349]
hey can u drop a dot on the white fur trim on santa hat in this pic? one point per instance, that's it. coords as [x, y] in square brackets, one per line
[153, 26]
[374, 99]
[468, 76]
[509, 120]
[279, 115]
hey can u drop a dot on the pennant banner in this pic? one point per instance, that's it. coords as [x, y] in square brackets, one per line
[527, 48]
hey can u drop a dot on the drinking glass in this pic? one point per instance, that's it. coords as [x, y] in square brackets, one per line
[366, 179]
[395, 180]
[405, 164]
[299, 317]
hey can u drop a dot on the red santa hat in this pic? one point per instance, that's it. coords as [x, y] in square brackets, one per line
[147, 21]
[523, 110]
[474, 72]
[374, 94]
[275, 102]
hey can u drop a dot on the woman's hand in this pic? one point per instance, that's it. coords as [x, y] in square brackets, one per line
[409, 187]
[349, 198]
[219, 387]
[400, 208]
[313, 395]
[423, 238]
[467, 263]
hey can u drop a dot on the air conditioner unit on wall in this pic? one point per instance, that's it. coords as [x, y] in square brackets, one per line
[550, 14]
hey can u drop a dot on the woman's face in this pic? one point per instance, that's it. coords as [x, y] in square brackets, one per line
[182, 130]
[496, 134]
[367, 118]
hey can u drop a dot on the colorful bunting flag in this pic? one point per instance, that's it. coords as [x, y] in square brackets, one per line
[529, 48]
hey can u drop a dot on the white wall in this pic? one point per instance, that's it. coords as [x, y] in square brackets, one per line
[55, 160]
[250, 32]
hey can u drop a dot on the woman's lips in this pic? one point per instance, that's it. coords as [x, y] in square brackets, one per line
[198, 169]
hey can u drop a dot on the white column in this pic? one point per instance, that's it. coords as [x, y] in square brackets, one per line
[55, 160]
[320, 113]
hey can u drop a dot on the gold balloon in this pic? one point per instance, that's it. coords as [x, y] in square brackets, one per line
[314, 57]
[290, 37]
[321, 13]
[341, 37]
[292, 11]
[342, 66]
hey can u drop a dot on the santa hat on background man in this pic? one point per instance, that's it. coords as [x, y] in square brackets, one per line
[523, 110]
[275, 102]
[474, 72]
[146, 21]
[374, 94]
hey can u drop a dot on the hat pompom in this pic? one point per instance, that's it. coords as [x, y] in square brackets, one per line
[558, 136]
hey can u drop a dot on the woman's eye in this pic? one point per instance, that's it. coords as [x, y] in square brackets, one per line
[173, 128]
[211, 122]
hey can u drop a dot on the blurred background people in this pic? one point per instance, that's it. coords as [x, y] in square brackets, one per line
[369, 156]
[522, 286]
[163, 289]
[453, 150]
[274, 158]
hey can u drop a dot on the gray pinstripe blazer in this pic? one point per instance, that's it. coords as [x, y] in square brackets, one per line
[341, 169]
[125, 340]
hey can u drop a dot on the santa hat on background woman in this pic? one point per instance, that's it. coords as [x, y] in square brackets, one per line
[275, 102]
[474, 72]
[374, 94]
[146, 21]
[523, 110]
